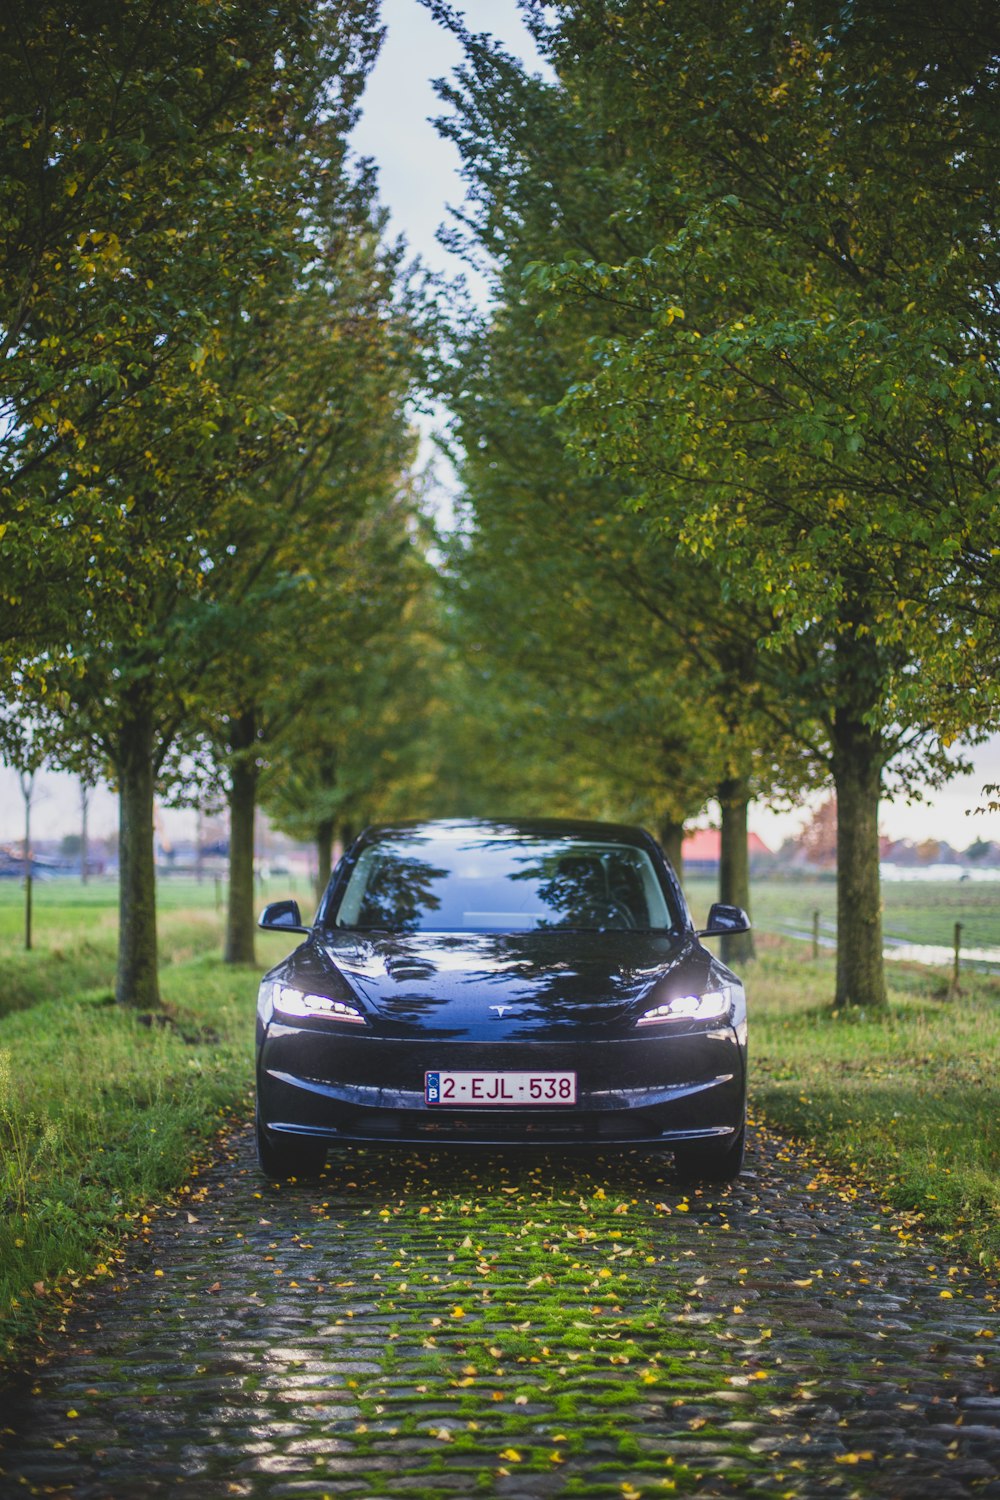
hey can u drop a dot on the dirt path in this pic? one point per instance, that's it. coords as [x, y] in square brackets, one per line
[438, 1325]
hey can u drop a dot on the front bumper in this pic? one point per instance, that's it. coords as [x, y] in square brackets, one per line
[648, 1090]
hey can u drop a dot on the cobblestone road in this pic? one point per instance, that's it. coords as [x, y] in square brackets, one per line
[442, 1325]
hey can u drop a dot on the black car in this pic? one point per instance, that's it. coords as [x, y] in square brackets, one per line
[498, 983]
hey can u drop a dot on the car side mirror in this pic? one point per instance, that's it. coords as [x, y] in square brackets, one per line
[724, 920]
[282, 916]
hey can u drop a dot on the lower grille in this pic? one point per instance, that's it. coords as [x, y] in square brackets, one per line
[481, 1125]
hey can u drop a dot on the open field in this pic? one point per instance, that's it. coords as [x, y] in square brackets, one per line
[103, 1112]
[913, 911]
[75, 931]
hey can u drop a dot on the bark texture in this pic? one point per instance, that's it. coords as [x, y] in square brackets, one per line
[734, 865]
[136, 981]
[857, 774]
[672, 844]
[84, 833]
[239, 946]
[324, 855]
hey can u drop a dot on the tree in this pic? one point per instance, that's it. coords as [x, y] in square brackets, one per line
[305, 537]
[355, 739]
[557, 549]
[794, 384]
[23, 748]
[166, 198]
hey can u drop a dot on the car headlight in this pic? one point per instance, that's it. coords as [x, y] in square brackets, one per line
[292, 1002]
[711, 1006]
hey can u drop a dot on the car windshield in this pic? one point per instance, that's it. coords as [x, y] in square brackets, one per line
[490, 884]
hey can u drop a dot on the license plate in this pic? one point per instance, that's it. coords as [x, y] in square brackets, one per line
[462, 1090]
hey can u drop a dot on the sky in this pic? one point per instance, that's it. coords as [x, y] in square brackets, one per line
[419, 182]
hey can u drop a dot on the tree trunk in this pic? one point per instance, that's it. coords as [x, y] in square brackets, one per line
[734, 864]
[324, 855]
[857, 775]
[672, 844]
[27, 779]
[136, 982]
[84, 832]
[239, 947]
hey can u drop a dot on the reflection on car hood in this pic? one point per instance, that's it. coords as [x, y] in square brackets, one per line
[488, 985]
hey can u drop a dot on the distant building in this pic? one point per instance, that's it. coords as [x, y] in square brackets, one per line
[702, 850]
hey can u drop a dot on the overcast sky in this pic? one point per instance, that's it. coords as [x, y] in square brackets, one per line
[418, 174]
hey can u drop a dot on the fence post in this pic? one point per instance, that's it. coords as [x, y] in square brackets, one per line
[815, 934]
[953, 988]
[27, 910]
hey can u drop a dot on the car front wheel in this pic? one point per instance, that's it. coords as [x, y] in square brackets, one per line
[711, 1161]
[287, 1156]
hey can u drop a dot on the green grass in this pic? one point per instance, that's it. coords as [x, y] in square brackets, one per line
[906, 1100]
[75, 934]
[101, 1114]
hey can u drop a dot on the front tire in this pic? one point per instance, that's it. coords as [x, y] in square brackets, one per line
[287, 1156]
[710, 1161]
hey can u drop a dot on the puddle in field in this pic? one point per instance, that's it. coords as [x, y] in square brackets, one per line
[936, 955]
[932, 953]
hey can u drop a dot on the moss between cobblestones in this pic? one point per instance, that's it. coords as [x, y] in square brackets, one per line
[388, 1357]
[520, 1373]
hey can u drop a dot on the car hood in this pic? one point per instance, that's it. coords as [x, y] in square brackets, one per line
[505, 986]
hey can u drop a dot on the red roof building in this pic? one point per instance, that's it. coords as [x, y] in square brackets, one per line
[704, 846]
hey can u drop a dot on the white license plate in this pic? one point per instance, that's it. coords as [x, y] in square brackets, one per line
[460, 1090]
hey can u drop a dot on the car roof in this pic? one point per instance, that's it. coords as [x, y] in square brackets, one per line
[450, 829]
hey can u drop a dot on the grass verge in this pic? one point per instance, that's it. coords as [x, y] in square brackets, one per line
[75, 935]
[906, 1099]
[101, 1114]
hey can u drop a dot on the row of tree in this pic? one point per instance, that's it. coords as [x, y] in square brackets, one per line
[728, 432]
[210, 527]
